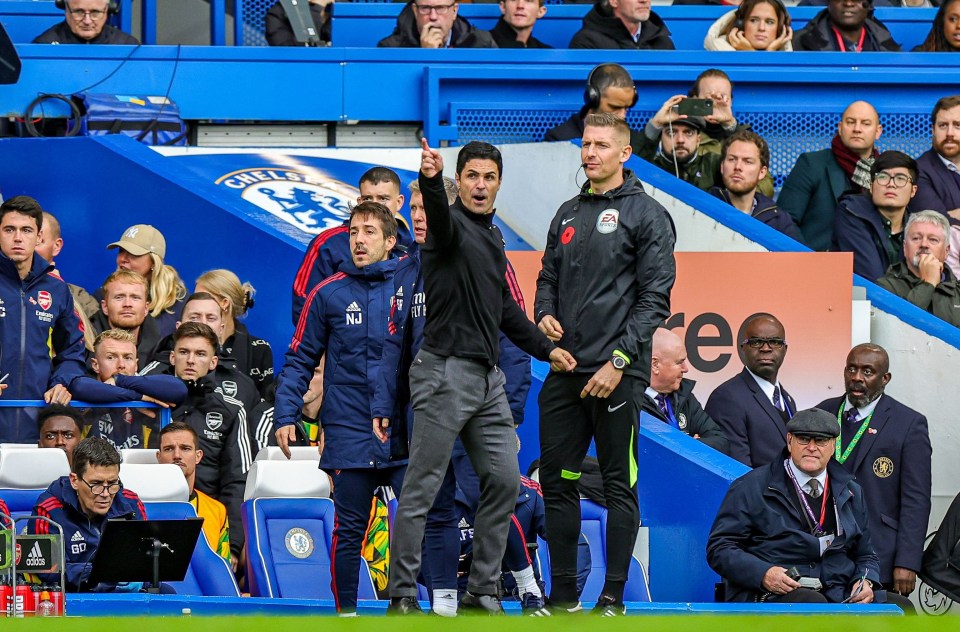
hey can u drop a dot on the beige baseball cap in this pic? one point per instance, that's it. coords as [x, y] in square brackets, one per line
[141, 239]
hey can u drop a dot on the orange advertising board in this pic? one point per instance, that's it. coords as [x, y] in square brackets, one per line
[810, 292]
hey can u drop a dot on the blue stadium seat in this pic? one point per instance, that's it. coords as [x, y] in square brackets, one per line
[289, 544]
[593, 525]
[208, 574]
[25, 474]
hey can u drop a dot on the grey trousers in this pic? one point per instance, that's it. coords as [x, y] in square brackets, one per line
[455, 396]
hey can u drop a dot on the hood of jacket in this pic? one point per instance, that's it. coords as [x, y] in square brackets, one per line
[630, 186]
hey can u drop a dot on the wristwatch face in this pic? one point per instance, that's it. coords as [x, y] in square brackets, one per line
[619, 363]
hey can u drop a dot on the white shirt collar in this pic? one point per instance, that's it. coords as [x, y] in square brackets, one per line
[949, 165]
[864, 412]
[803, 478]
[651, 393]
[766, 386]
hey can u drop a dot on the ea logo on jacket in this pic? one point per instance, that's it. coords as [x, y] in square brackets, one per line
[308, 201]
[608, 221]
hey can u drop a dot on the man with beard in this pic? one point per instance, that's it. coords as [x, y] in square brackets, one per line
[678, 150]
[938, 184]
[847, 26]
[812, 190]
[125, 306]
[744, 161]
[886, 445]
[938, 181]
[752, 408]
[923, 278]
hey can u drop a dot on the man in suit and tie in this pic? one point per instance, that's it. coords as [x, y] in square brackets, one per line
[670, 396]
[886, 445]
[812, 190]
[752, 408]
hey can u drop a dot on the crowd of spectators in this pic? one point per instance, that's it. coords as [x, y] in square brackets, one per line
[753, 25]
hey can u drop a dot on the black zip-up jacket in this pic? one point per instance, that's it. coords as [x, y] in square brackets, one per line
[462, 35]
[765, 210]
[221, 473]
[608, 269]
[818, 35]
[60, 33]
[251, 356]
[601, 29]
[505, 37]
[691, 417]
[468, 299]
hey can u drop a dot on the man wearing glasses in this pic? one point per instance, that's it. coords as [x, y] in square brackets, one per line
[82, 503]
[871, 225]
[85, 23]
[886, 445]
[796, 530]
[435, 24]
[752, 408]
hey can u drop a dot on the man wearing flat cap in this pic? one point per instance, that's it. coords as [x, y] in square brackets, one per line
[795, 531]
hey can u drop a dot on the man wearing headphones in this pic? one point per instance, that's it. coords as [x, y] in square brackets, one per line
[610, 89]
[85, 23]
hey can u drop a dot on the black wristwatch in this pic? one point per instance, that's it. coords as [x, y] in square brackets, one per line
[618, 361]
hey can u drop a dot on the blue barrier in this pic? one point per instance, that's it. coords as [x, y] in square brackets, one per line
[100, 605]
[39, 403]
[364, 24]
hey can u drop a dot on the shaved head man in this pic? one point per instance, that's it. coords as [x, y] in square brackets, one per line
[811, 192]
[670, 396]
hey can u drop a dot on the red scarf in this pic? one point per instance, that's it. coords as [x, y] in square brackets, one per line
[845, 158]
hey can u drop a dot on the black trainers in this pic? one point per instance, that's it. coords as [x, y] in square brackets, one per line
[551, 610]
[404, 605]
[472, 604]
[607, 606]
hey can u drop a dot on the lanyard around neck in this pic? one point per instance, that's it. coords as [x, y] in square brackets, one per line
[843, 456]
[843, 45]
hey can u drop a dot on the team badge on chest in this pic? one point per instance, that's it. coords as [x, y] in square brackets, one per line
[883, 467]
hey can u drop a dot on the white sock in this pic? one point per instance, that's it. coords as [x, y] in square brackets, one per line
[526, 582]
[344, 615]
[445, 602]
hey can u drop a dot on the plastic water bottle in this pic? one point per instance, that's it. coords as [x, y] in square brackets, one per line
[45, 607]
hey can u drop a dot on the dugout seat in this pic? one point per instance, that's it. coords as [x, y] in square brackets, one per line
[208, 573]
[288, 523]
[286, 479]
[139, 455]
[593, 526]
[25, 474]
[593, 529]
[156, 482]
[297, 453]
